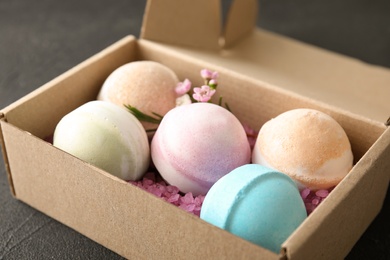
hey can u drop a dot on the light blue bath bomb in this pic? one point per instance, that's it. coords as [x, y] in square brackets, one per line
[257, 204]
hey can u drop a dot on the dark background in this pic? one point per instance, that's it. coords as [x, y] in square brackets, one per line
[41, 39]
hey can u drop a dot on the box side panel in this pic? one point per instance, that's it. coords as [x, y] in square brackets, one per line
[307, 70]
[5, 155]
[110, 211]
[254, 102]
[68, 91]
[332, 230]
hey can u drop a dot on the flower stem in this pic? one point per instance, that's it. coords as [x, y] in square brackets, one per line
[226, 104]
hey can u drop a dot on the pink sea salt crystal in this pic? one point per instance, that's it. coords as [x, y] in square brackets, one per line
[174, 198]
[146, 182]
[188, 198]
[161, 187]
[154, 190]
[313, 199]
[305, 192]
[198, 201]
[188, 207]
[315, 202]
[322, 193]
[172, 189]
[155, 185]
[192, 204]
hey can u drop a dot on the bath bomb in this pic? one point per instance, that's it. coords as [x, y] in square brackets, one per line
[105, 136]
[147, 85]
[197, 144]
[257, 204]
[306, 144]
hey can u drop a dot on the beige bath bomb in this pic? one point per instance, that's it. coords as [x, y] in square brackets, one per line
[147, 85]
[306, 144]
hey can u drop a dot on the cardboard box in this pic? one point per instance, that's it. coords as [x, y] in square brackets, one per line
[134, 223]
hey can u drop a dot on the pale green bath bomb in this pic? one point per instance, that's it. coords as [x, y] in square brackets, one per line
[105, 136]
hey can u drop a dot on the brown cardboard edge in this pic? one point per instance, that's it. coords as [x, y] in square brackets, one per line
[15, 112]
[240, 22]
[5, 155]
[299, 244]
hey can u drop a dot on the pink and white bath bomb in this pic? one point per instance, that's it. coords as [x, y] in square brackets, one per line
[306, 144]
[195, 145]
[147, 85]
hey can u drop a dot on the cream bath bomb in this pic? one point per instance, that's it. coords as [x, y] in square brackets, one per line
[197, 144]
[106, 136]
[306, 144]
[147, 85]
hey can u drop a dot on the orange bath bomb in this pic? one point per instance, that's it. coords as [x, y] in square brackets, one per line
[147, 85]
[306, 144]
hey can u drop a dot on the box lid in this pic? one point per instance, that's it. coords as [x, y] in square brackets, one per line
[198, 23]
[194, 27]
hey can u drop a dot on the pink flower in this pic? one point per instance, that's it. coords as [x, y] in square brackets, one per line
[203, 94]
[183, 100]
[208, 74]
[213, 83]
[183, 87]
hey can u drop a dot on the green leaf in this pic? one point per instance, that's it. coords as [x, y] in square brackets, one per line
[144, 117]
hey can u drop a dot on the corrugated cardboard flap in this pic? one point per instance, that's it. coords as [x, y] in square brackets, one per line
[198, 23]
[5, 156]
[240, 22]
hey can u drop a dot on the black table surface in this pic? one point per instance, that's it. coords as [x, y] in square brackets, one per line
[41, 39]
